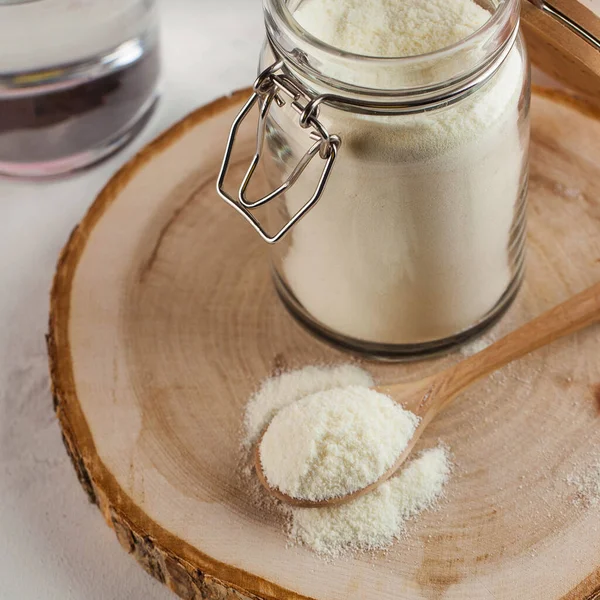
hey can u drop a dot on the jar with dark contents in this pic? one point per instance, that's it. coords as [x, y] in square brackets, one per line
[78, 80]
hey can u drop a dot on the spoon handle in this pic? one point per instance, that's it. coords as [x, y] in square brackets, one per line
[570, 316]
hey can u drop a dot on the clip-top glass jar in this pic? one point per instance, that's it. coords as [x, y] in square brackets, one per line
[397, 215]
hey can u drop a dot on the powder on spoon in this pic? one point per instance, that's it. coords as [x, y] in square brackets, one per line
[280, 391]
[334, 442]
[376, 519]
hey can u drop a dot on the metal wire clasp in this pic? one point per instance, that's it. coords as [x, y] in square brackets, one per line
[274, 84]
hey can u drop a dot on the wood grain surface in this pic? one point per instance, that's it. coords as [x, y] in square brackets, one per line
[561, 53]
[164, 320]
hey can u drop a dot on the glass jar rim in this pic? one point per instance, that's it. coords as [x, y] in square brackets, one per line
[324, 67]
[283, 19]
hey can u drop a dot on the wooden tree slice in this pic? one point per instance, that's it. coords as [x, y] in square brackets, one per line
[164, 320]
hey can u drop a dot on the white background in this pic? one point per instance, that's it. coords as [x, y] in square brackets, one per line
[53, 544]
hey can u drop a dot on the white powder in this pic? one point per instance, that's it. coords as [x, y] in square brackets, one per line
[334, 442]
[390, 27]
[410, 241]
[372, 521]
[587, 484]
[477, 345]
[277, 392]
[375, 520]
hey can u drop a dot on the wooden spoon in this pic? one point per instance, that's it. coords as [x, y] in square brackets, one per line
[429, 396]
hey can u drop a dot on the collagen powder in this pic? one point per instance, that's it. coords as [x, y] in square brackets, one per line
[411, 241]
[332, 448]
[376, 519]
[334, 442]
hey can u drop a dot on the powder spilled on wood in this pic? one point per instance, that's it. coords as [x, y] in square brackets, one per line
[371, 522]
[375, 520]
[477, 345]
[587, 484]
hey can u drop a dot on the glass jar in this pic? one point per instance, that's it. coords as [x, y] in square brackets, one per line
[397, 220]
[78, 79]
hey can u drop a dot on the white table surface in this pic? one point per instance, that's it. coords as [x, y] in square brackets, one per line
[53, 544]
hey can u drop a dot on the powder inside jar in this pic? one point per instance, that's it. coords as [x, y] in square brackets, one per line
[334, 442]
[419, 232]
[391, 27]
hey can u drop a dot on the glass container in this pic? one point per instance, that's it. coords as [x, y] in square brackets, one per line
[398, 185]
[78, 79]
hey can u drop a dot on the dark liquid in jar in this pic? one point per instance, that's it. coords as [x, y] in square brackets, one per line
[61, 124]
